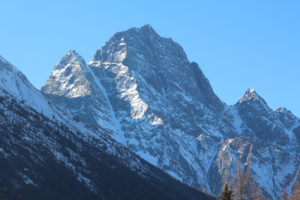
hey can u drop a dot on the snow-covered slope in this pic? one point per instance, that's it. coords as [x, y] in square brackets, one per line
[46, 154]
[72, 78]
[162, 107]
[14, 82]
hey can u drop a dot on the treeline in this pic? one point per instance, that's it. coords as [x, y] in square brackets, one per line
[243, 187]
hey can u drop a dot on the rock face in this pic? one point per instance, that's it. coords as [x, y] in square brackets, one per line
[48, 153]
[141, 89]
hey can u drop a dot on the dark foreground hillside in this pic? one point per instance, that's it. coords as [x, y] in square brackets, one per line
[42, 159]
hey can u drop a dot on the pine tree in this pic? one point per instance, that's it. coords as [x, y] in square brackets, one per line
[226, 193]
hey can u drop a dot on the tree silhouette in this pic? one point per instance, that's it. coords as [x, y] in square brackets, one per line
[226, 193]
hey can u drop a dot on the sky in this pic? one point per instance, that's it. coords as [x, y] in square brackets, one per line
[237, 44]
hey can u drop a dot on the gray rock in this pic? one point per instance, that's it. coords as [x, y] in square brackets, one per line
[149, 97]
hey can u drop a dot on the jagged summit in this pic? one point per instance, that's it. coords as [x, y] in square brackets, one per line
[139, 42]
[282, 110]
[148, 29]
[39, 141]
[251, 90]
[147, 95]
[71, 57]
[251, 95]
[72, 52]
[68, 77]
[147, 26]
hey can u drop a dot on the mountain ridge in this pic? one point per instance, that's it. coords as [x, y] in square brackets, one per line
[168, 113]
[53, 155]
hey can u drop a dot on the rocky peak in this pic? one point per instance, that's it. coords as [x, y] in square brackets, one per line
[146, 30]
[143, 43]
[287, 118]
[155, 101]
[253, 101]
[71, 58]
[250, 95]
[154, 63]
[262, 121]
[283, 110]
[68, 77]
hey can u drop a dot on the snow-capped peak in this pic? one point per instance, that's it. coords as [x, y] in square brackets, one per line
[155, 102]
[250, 95]
[74, 54]
[251, 90]
[69, 77]
[141, 42]
[71, 57]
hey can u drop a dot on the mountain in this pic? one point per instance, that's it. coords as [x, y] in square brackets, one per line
[48, 153]
[142, 90]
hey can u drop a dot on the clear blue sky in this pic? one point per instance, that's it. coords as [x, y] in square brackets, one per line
[238, 44]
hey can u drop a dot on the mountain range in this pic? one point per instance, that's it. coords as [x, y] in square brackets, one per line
[135, 118]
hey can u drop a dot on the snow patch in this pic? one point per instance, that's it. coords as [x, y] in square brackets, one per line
[237, 122]
[249, 95]
[157, 121]
[26, 179]
[68, 77]
[102, 89]
[22, 90]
